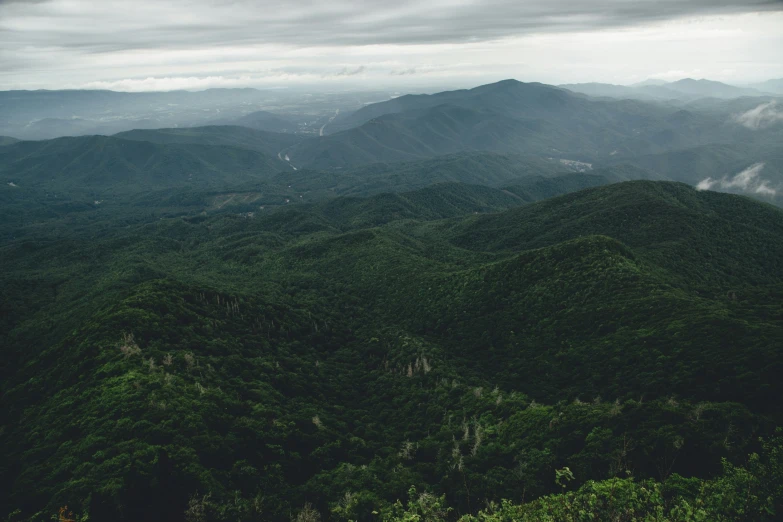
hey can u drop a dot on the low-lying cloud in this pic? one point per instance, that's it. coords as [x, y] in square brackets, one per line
[748, 181]
[763, 116]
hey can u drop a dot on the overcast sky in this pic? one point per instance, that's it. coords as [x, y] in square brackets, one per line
[195, 44]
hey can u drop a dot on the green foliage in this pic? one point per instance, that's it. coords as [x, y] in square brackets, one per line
[111, 167]
[423, 507]
[750, 492]
[269, 143]
[235, 367]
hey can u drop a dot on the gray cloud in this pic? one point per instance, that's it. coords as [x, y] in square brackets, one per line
[66, 42]
[351, 72]
[113, 25]
[403, 72]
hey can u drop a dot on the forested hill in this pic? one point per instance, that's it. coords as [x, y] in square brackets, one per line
[269, 143]
[108, 165]
[240, 365]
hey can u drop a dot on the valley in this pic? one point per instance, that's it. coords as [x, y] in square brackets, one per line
[437, 306]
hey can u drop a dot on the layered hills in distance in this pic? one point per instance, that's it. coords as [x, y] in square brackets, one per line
[510, 302]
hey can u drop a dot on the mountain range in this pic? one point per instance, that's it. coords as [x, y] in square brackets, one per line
[511, 117]
[512, 302]
[681, 90]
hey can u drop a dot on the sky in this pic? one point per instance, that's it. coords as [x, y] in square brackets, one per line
[147, 45]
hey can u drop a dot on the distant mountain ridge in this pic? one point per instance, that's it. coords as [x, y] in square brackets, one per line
[685, 89]
[775, 86]
[512, 117]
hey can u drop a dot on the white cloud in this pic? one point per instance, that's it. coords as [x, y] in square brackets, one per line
[747, 180]
[763, 116]
[765, 189]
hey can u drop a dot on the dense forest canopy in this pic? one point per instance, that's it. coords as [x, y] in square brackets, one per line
[425, 314]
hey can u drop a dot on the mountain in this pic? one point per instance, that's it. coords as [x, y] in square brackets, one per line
[269, 143]
[516, 118]
[773, 86]
[530, 100]
[7, 140]
[441, 130]
[710, 89]
[236, 366]
[609, 90]
[105, 165]
[685, 89]
[513, 302]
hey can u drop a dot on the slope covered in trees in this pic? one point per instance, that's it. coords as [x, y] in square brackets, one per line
[107, 165]
[236, 366]
[269, 143]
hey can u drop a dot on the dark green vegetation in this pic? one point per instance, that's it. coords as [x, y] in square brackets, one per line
[105, 165]
[238, 366]
[529, 318]
[269, 143]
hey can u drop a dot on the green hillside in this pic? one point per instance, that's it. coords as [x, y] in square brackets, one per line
[473, 168]
[60, 204]
[103, 165]
[236, 366]
[536, 188]
[269, 143]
